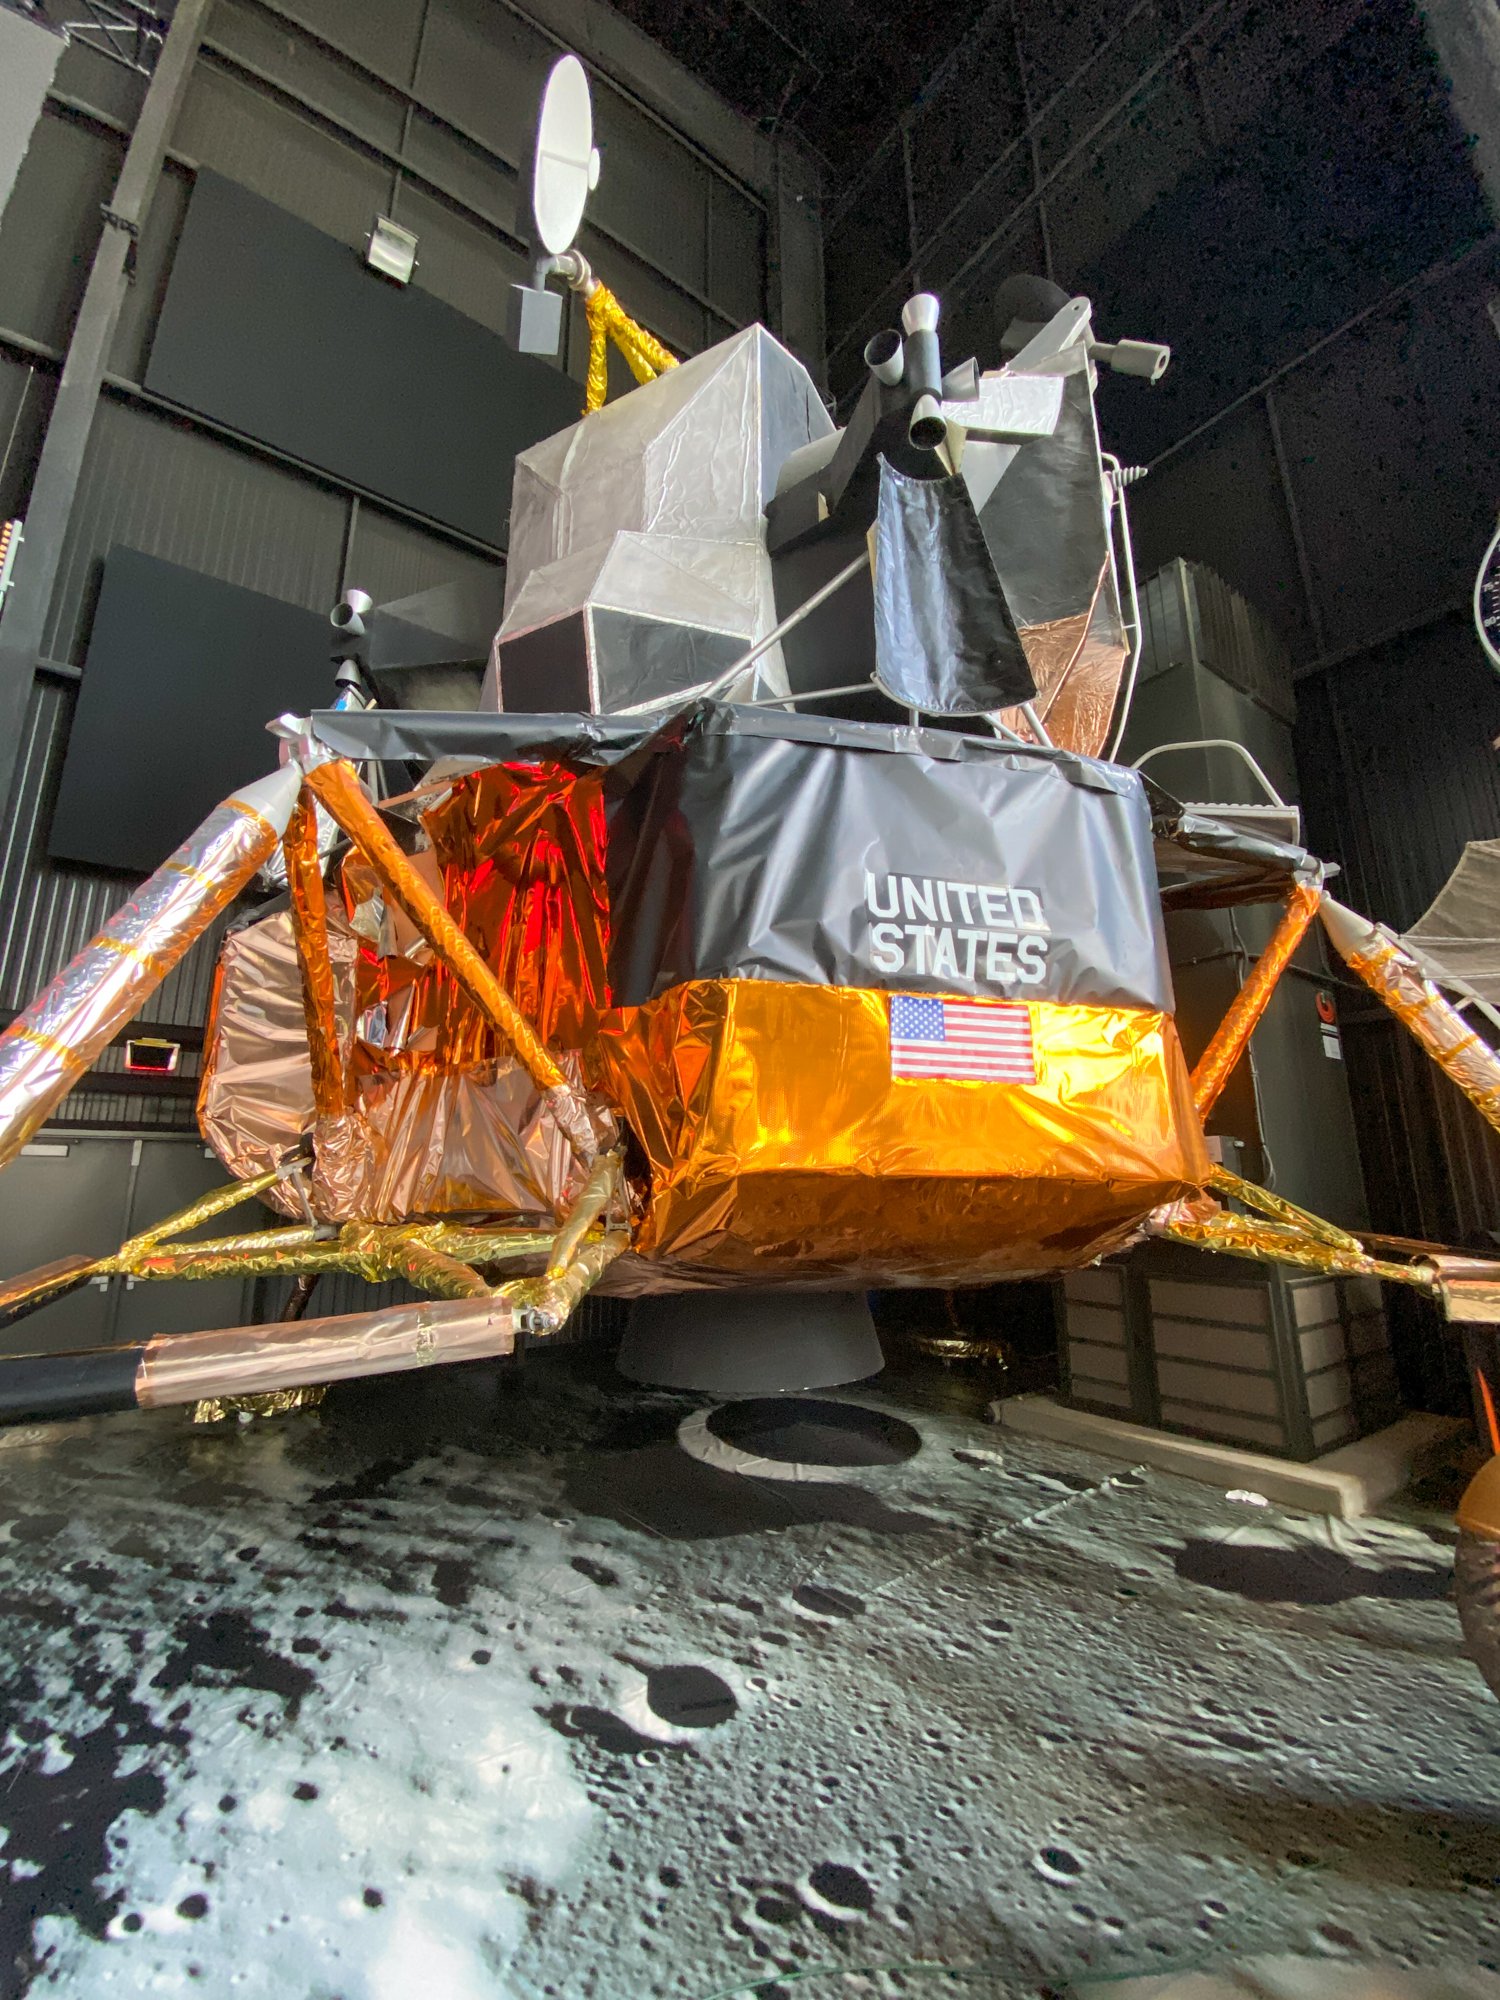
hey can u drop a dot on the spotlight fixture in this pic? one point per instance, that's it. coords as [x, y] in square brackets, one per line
[391, 250]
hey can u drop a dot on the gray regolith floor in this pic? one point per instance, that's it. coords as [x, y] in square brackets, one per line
[480, 1684]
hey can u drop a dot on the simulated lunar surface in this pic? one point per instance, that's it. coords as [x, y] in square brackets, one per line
[529, 1682]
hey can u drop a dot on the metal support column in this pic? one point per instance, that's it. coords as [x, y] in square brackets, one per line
[1294, 522]
[60, 465]
[1033, 133]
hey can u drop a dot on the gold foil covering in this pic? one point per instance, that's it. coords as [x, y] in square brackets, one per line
[1279, 1209]
[1212, 1070]
[230, 1363]
[413, 1254]
[363, 1249]
[49, 1046]
[598, 1193]
[217, 1202]
[608, 320]
[779, 1146]
[280, 1402]
[1395, 976]
[1279, 1243]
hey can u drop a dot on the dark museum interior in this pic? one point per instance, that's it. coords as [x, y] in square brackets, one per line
[750, 999]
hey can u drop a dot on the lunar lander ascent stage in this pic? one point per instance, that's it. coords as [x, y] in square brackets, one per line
[778, 919]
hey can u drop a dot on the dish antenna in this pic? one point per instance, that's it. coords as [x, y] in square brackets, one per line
[564, 172]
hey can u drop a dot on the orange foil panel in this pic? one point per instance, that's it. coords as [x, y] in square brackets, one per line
[523, 854]
[780, 1146]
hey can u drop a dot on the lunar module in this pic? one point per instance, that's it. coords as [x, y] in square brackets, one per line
[771, 918]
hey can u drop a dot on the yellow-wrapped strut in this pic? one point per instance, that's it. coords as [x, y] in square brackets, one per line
[609, 321]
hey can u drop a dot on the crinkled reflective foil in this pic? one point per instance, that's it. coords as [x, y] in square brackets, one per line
[1213, 1068]
[1077, 663]
[780, 1147]
[419, 1139]
[48, 1048]
[255, 1102]
[472, 1141]
[1454, 1046]
[523, 853]
[309, 912]
[770, 1142]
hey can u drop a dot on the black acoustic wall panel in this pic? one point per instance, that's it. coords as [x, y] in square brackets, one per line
[285, 334]
[183, 674]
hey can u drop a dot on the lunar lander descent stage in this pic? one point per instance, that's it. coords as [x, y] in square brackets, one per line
[780, 919]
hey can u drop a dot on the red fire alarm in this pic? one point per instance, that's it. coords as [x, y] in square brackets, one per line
[1328, 1011]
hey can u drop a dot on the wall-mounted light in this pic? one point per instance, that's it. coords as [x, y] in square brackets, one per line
[10, 542]
[149, 1057]
[391, 250]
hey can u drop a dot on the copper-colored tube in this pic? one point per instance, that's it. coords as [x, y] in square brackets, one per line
[1468, 1289]
[1391, 972]
[304, 877]
[259, 1360]
[29, 1289]
[48, 1048]
[256, 1360]
[338, 789]
[1213, 1067]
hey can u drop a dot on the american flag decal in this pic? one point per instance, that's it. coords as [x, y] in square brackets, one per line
[961, 1038]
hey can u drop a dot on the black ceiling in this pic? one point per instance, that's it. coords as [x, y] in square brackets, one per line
[836, 72]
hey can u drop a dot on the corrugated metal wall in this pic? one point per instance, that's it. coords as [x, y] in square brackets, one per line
[337, 110]
[1399, 770]
[1395, 750]
[155, 483]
